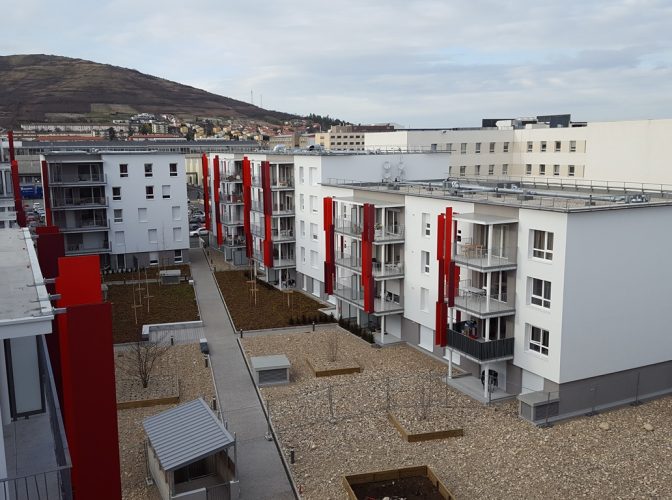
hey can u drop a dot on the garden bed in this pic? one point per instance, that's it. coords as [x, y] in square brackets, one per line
[414, 428]
[331, 368]
[167, 304]
[273, 308]
[409, 483]
[161, 390]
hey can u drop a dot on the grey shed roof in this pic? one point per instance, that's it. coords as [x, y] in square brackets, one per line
[185, 434]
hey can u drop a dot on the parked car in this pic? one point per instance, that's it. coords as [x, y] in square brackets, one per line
[198, 213]
[201, 231]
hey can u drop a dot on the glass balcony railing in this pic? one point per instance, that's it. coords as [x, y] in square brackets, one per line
[87, 202]
[282, 234]
[479, 256]
[73, 178]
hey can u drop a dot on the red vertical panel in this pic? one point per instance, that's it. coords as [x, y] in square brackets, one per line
[440, 313]
[206, 191]
[367, 255]
[216, 184]
[329, 262]
[268, 212]
[10, 138]
[45, 193]
[18, 203]
[453, 276]
[247, 205]
[448, 237]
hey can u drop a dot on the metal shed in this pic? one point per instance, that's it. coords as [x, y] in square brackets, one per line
[188, 451]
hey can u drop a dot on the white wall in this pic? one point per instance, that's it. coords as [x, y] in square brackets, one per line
[159, 210]
[617, 291]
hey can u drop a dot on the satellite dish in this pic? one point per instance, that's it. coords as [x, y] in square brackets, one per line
[387, 165]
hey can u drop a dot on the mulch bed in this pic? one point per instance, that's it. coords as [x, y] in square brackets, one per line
[159, 387]
[271, 310]
[407, 488]
[167, 304]
[152, 273]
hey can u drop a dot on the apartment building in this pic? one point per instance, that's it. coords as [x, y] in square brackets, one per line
[7, 203]
[347, 137]
[129, 208]
[520, 288]
[618, 152]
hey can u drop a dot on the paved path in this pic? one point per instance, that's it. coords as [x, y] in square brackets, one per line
[260, 471]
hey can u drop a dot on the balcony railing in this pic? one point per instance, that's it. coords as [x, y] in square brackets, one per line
[283, 209]
[479, 256]
[347, 226]
[388, 270]
[257, 230]
[95, 178]
[284, 262]
[233, 220]
[356, 295]
[234, 241]
[282, 234]
[479, 348]
[283, 183]
[258, 206]
[81, 248]
[256, 180]
[84, 226]
[386, 233]
[258, 255]
[347, 260]
[233, 177]
[232, 198]
[79, 202]
[475, 301]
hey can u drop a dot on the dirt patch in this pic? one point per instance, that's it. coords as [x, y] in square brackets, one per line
[160, 388]
[273, 309]
[167, 304]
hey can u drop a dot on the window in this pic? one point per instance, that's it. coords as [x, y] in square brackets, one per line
[153, 258]
[177, 234]
[424, 299]
[538, 340]
[424, 258]
[477, 169]
[176, 213]
[119, 238]
[178, 257]
[118, 215]
[558, 146]
[303, 254]
[173, 173]
[313, 204]
[142, 215]
[491, 170]
[449, 147]
[302, 201]
[463, 170]
[123, 170]
[165, 192]
[542, 169]
[302, 178]
[313, 258]
[542, 244]
[149, 192]
[312, 176]
[426, 225]
[432, 147]
[528, 169]
[303, 228]
[530, 145]
[492, 147]
[541, 293]
[572, 146]
[543, 146]
[313, 231]
[505, 169]
[506, 147]
[148, 169]
[152, 235]
[116, 193]
[556, 169]
[570, 170]
[478, 147]
[463, 148]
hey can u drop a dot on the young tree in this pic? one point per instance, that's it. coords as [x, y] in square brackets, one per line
[141, 358]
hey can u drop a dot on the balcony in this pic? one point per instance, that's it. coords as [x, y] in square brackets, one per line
[388, 270]
[232, 199]
[234, 241]
[257, 230]
[256, 180]
[475, 302]
[232, 220]
[479, 348]
[283, 183]
[346, 260]
[392, 233]
[257, 206]
[91, 179]
[77, 203]
[355, 296]
[282, 235]
[481, 258]
[348, 227]
[86, 249]
[283, 209]
[233, 177]
[284, 262]
[85, 226]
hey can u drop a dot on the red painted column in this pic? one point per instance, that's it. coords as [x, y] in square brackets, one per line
[16, 185]
[247, 205]
[329, 262]
[216, 183]
[441, 313]
[46, 194]
[368, 231]
[268, 212]
[88, 379]
[206, 191]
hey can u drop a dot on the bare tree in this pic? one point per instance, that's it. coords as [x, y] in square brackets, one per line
[141, 358]
[332, 347]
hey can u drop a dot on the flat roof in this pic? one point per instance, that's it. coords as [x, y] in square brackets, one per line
[185, 434]
[23, 296]
[359, 199]
[484, 219]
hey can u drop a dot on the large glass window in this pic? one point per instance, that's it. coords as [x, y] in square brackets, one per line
[542, 244]
[538, 340]
[541, 293]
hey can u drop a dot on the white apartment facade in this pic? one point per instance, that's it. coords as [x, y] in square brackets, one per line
[130, 208]
[7, 204]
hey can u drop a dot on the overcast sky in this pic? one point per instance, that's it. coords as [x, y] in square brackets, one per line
[417, 63]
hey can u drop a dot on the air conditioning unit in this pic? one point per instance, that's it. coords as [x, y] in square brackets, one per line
[536, 407]
[270, 370]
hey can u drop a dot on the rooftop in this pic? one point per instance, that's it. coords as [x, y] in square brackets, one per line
[23, 296]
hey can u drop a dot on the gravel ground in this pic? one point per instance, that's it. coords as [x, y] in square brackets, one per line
[500, 455]
[195, 380]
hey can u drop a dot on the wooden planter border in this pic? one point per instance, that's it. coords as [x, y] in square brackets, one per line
[422, 436]
[335, 371]
[141, 403]
[391, 474]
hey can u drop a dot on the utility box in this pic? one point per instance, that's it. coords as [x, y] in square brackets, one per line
[170, 277]
[203, 343]
[270, 370]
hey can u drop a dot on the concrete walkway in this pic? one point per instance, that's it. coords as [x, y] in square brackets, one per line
[260, 469]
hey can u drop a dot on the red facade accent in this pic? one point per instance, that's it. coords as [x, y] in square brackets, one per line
[247, 205]
[453, 272]
[88, 379]
[18, 203]
[441, 313]
[206, 191]
[268, 212]
[217, 187]
[329, 262]
[367, 256]
[46, 193]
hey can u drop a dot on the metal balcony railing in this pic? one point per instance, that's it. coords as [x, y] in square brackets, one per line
[81, 248]
[283, 209]
[257, 230]
[282, 183]
[347, 226]
[479, 348]
[232, 198]
[234, 219]
[233, 177]
[72, 178]
[387, 270]
[282, 234]
[478, 255]
[347, 260]
[257, 206]
[79, 202]
[476, 302]
[234, 241]
[391, 232]
[284, 262]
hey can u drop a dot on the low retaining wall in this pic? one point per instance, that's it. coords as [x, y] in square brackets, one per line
[393, 474]
[146, 329]
[334, 371]
[422, 436]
